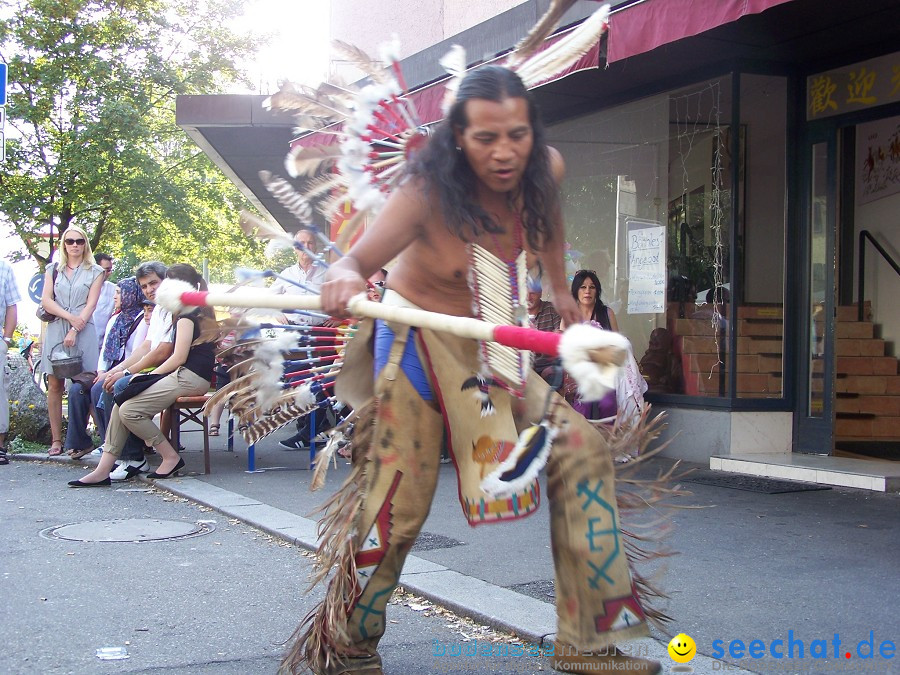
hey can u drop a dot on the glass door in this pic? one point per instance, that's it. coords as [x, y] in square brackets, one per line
[814, 412]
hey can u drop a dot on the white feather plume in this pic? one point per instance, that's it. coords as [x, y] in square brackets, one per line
[566, 51]
[454, 62]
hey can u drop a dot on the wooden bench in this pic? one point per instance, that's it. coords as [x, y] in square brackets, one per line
[190, 409]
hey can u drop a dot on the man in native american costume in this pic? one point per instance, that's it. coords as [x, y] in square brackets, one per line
[485, 187]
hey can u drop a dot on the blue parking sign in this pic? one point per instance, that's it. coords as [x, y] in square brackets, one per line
[2, 83]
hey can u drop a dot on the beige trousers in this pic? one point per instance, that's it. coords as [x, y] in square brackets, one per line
[136, 415]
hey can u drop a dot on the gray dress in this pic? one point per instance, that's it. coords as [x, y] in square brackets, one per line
[72, 294]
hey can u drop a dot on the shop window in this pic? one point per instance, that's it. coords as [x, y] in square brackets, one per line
[648, 201]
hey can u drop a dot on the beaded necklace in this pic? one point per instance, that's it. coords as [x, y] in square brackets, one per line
[498, 292]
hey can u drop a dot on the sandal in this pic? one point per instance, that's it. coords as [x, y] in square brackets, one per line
[213, 430]
[55, 450]
[78, 454]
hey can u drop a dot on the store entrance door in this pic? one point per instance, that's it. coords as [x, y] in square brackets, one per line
[814, 407]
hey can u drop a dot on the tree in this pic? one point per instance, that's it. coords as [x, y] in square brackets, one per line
[92, 87]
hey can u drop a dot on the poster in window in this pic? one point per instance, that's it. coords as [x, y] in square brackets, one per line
[646, 266]
[877, 160]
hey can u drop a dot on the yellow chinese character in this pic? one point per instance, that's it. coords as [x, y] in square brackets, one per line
[820, 93]
[861, 83]
[895, 80]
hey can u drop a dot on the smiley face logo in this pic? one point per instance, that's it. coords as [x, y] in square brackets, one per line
[682, 648]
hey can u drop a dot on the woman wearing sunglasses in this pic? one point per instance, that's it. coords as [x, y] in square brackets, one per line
[72, 299]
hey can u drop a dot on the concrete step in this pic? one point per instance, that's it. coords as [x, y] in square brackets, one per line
[867, 474]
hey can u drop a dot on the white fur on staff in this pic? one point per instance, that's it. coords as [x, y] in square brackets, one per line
[594, 379]
[169, 294]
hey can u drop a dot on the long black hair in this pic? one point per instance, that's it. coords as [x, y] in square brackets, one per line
[600, 314]
[446, 170]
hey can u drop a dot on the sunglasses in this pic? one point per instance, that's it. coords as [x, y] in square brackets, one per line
[585, 272]
[75, 242]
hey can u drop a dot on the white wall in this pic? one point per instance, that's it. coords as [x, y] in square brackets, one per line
[417, 24]
[763, 110]
[882, 219]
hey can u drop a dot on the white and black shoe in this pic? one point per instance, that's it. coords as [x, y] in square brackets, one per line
[292, 443]
[129, 469]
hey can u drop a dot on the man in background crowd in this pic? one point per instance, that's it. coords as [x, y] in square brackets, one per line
[542, 315]
[9, 297]
[104, 307]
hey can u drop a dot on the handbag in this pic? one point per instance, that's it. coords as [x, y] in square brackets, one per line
[85, 379]
[42, 313]
[138, 383]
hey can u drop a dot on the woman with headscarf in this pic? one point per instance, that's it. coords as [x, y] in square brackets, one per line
[123, 331]
[71, 290]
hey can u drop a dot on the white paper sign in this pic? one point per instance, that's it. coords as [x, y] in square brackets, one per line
[646, 267]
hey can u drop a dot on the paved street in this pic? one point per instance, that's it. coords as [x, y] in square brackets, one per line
[752, 566]
[217, 603]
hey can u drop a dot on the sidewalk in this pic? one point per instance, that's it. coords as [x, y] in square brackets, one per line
[753, 566]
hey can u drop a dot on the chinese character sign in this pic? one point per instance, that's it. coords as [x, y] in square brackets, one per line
[646, 267]
[855, 87]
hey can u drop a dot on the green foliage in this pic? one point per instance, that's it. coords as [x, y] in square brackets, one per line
[92, 138]
[19, 445]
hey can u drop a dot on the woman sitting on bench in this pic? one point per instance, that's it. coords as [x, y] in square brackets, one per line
[186, 373]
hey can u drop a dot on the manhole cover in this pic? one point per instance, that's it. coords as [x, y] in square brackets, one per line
[134, 530]
[753, 483]
[429, 541]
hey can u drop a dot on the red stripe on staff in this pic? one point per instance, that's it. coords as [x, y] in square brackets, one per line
[539, 341]
[194, 298]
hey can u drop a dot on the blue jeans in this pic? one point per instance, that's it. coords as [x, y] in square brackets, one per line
[134, 446]
[79, 413]
[103, 404]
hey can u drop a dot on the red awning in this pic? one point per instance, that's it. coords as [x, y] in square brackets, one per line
[650, 24]
[428, 99]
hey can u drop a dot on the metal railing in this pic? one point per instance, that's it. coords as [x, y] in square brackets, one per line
[861, 269]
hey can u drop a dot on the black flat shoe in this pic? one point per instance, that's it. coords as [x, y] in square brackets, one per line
[172, 474]
[106, 482]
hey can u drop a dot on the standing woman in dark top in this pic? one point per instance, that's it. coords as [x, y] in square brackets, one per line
[187, 372]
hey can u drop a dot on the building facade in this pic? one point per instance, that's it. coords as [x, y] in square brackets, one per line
[728, 164]
[722, 160]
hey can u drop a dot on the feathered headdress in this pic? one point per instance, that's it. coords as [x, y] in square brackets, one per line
[367, 132]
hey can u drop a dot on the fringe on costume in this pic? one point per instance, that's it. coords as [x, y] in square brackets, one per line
[337, 438]
[321, 640]
[644, 504]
